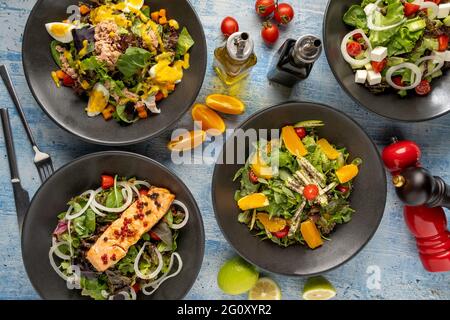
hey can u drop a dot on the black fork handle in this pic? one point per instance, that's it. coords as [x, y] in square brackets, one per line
[15, 98]
[6, 124]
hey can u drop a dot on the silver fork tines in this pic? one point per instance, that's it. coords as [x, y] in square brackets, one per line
[43, 164]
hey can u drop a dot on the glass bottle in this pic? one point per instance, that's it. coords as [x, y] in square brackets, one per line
[234, 59]
[294, 60]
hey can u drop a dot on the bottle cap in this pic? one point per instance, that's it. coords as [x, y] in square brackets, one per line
[307, 49]
[240, 46]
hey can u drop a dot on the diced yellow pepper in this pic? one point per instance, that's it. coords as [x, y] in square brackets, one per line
[347, 173]
[328, 149]
[311, 234]
[174, 24]
[55, 79]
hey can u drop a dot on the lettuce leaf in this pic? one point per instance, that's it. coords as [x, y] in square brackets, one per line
[394, 13]
[185, 42]
[405, 40]
[133, 60]
[356, 17]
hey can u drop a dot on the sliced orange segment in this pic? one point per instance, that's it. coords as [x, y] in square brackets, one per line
[292, 142]
[225, 104]
[272, 225]
[253, 201]
[311, 234]
[347, 173]
[328, 149]
[260, 168]
[187, 141]
[208, 119]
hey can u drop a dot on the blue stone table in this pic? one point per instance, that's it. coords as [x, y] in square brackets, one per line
[391, 254]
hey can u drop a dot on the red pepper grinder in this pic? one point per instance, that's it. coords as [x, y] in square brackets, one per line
[424, 196]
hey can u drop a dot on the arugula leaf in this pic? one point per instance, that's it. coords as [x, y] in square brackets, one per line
[133, 60]
[114, 199]
[185, 42]
[126, 264]
[85, 224]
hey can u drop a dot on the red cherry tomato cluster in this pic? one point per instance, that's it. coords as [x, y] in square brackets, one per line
[282, 13]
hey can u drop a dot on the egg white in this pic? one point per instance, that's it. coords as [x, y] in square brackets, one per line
[66, 37]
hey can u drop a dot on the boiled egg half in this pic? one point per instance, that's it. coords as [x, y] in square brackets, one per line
[98, 100]
[60, 31]
[135, 4]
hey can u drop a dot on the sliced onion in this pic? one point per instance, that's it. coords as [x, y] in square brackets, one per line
[129, 199]
[57, 252]
[104, 294]
[70, 237]
[70, 216]
[155, 285]
[414, 68]
[355, 62]
[186, 217]
[133, 187]
[372, 26]
[155, 273]
[142, 183]
[430, 5]
[438, 67]
[128, 296]
[96, 211]
[52, 250]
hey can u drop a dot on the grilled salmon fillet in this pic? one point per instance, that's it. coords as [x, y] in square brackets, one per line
[138, 219]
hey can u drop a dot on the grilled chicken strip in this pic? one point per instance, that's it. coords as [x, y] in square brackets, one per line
[138, 219]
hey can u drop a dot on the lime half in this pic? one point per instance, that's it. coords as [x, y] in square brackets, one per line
[318, 288]
[237, 276]
[265, 289]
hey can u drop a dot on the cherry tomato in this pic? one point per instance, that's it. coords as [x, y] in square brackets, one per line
[443, 42]
[154, 236]
[411, 9]
[354, 48]
[398, 81]
[357, 36]
[284, 13]
[264, 8]
[301, 132]
[253, 177]
[343, 189]
[143, 191]
[311, 192]
[282, 233]
[68, 81]
[107, 182]
[229, 26]
[423, 88]
[379, 66]
[270, 33]
[400, 155]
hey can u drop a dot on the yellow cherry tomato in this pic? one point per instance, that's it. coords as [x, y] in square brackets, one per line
[225, 104]
[208, 119]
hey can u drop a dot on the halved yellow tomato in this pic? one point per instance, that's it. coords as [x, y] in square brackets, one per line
[225, 104]
[253, 201]
[347, 173]
[187, 141]
[292, 142]
[328, 149]
[208, 119]
[272, 225]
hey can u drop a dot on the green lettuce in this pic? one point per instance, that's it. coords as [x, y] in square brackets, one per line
[185, 42]
[133, 60]
[84, 225]
[356, 17]
[394, 14]
[406, 38]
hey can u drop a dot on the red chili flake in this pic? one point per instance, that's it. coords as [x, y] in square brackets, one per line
[141, 216]
[139, 205]
[113, 257]
[104, 258]
[116, 234]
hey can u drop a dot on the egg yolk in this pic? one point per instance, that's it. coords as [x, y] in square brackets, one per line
[105, 12]
[166, 74]
[59, 30]
[135, 3]
[97, 101]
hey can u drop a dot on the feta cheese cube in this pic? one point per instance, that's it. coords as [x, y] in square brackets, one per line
[447, 56]
[369, 8]
[440, 54]
[361, 76]
[368, 66]
[373, 77]
[444, 10]
[378, 54]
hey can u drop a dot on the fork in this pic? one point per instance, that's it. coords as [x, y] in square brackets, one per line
[42, 160]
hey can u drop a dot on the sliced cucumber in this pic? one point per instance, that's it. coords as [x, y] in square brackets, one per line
[309, 124]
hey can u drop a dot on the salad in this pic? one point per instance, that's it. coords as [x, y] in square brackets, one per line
[122, 56]
[399, 45]
[295, 190]
[119, 239]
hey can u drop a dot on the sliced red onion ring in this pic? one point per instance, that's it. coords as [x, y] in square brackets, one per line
[438, 67]
[414, 68]
[155, 273]
[355, 62]
[186, 215]
[70, 216]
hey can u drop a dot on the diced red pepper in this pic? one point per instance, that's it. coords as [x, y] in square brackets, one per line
[282, 233]
[159, 96]
[379, 66]
[143, 191]
[107, 182]
[443, 42]
[411, 9]
[357, 36]
[154, 236]
[398, 81]
[435, 1]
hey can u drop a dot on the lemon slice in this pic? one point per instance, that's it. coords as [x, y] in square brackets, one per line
[265, 289]
[318, 288]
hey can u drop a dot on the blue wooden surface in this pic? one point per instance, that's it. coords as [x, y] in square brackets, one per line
[392, 249]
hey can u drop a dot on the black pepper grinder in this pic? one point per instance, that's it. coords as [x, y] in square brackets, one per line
[294, 60]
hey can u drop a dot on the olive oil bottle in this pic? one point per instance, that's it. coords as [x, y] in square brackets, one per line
[234, 59]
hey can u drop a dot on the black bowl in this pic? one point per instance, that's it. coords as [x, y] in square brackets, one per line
[67, 109]
[390, 105]
[83, 174]
[368, 197]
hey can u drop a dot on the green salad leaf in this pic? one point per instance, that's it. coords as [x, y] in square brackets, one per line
[85, 224]
[404, 41]
[133, 60]
[394, 14]
[55, 54]
[356, 17]
[185, 42]
[93, 287]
